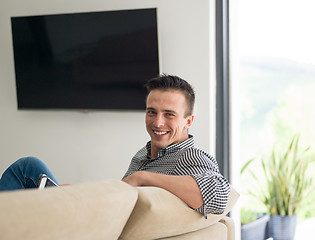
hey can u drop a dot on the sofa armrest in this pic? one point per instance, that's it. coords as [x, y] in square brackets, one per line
[229, 223]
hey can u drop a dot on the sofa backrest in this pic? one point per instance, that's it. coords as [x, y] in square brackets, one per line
[97, 210]
[109, 209]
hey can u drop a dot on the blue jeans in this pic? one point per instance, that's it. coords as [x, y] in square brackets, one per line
[24, 173]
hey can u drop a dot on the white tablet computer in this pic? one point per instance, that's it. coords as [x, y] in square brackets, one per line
[45, 181]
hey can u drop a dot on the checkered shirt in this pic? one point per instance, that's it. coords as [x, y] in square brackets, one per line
[184, 159]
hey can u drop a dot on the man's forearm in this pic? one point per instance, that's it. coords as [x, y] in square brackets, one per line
[184, 187]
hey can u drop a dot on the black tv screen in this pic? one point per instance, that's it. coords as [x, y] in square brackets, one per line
[95, 60]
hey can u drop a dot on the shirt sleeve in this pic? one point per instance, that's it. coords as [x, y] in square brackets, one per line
[214, 188]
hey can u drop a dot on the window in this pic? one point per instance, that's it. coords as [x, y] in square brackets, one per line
[276, 78]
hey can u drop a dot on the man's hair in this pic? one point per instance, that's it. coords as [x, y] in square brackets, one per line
[171, 82]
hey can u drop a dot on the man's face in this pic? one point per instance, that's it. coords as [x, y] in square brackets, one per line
[165, 118]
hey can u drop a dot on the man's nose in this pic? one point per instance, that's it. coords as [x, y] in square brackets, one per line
[159, 120]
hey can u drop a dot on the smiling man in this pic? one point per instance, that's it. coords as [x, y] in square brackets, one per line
[166, 119]
[170, 160]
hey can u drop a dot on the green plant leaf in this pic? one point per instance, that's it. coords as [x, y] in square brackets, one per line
[286, 183]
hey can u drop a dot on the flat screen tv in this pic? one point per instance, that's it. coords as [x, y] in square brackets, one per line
[94, 60]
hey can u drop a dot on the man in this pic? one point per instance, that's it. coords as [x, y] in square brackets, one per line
[170, 160]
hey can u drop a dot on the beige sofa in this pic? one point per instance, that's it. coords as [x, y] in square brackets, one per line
[106, 210]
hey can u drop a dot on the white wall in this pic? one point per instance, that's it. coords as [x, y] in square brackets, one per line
[96, 145]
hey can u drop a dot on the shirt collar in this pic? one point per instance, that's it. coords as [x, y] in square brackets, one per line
[189, 142]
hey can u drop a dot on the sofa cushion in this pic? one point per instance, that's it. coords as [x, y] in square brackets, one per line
[96, 210]
[158, 213]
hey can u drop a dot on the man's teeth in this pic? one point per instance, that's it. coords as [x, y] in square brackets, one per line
[159, 133]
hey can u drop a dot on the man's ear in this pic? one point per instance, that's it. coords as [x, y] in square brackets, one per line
[189, 121]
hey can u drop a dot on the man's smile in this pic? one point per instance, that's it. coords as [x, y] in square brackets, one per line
[160, 132]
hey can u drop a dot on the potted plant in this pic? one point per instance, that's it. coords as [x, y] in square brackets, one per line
[283, 188]
[253, 225]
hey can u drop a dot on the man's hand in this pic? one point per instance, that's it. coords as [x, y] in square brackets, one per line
[64, 185]
[184, 187]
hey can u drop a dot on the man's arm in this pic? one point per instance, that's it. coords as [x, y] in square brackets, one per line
[184, 187]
